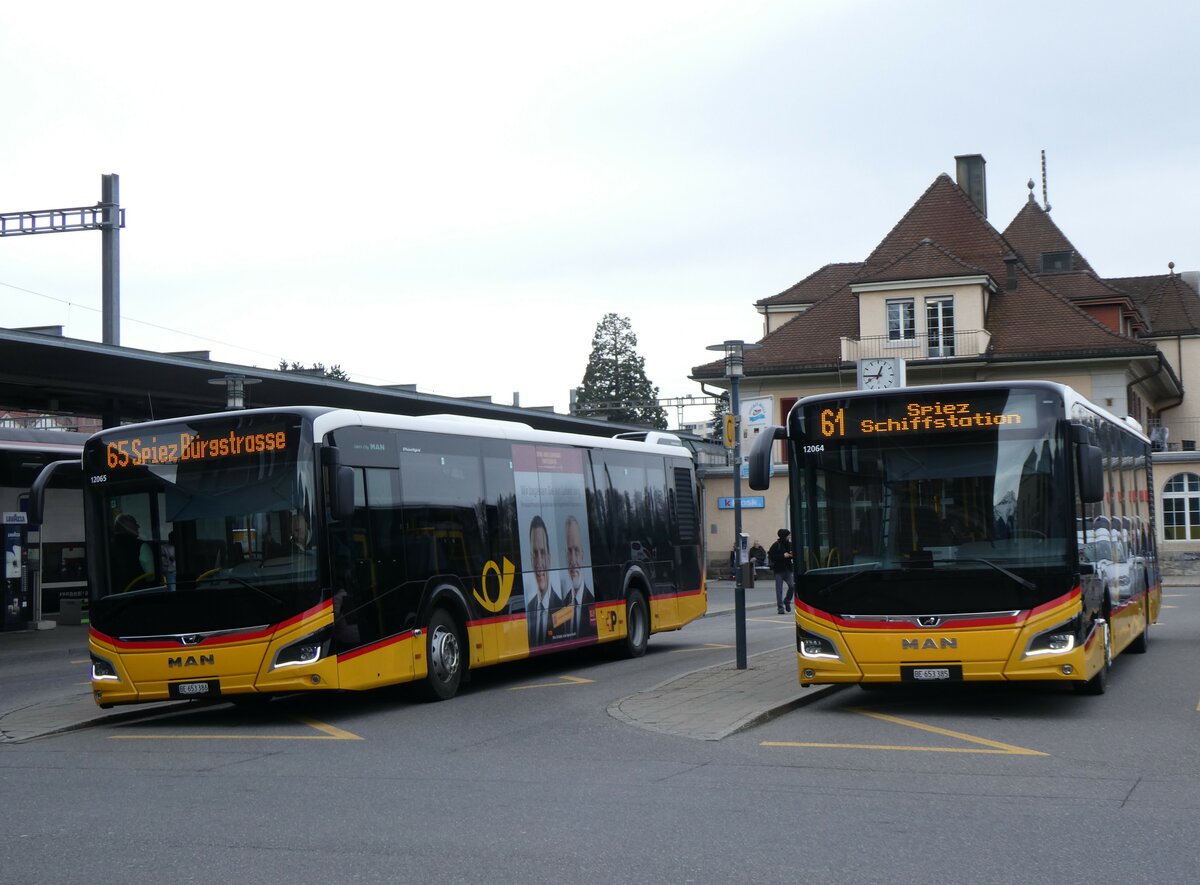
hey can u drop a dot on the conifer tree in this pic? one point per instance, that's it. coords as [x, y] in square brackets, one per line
[615, 386]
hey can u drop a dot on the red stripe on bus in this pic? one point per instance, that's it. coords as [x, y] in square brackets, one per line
[375, 646]
[1013, 620]
[498, 619]
[225, 639]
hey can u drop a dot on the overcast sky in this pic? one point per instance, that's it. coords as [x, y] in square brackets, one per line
[454, 194]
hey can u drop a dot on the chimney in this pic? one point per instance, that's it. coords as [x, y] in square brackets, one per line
[1010, 262]
[972, 178]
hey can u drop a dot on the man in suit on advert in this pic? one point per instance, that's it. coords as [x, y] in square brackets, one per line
[577, 596]
[541, 607]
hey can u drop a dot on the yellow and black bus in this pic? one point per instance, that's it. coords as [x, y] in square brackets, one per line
[966, 532]
[278, 550]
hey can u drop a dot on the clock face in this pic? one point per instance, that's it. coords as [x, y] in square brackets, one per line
[878, 374]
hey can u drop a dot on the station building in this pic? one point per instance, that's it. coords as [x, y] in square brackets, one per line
[960, 300]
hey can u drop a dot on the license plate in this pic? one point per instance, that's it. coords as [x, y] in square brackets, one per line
[916, 673]
[191, 690]
[931, 673]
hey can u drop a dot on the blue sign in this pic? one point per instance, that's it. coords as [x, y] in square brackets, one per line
[748, 503]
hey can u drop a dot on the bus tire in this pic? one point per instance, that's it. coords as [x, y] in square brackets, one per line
[444, 656]
[637, 624]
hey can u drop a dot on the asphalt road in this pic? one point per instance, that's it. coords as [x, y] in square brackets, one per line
[526, 778]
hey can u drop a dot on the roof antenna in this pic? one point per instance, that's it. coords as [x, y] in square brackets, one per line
[1045, 199]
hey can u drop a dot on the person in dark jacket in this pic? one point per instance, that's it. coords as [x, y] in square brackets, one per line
[780, 557]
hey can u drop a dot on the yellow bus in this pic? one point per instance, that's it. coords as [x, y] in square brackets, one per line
[264, 551]
[966, 532]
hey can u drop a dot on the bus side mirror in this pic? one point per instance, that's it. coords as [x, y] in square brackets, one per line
[37, 491]
[341, 485]
[1091, 474]
[760, 456]
[344, 495]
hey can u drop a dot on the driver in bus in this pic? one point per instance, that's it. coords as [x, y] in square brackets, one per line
[132, 558]
[301, 534]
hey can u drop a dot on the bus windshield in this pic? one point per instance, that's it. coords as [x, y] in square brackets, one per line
[205, 527]
[897, 517]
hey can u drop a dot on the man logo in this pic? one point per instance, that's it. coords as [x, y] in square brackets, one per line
[928, 644]
[191, 661]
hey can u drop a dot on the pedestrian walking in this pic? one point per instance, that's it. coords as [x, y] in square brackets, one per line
[780, 558]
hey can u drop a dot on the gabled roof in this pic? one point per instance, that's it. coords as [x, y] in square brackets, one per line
[942, 234]
[946, 215]
[1035, 320]
[1172, 305]
[1083, 285]
[816, 286]
[1032, 233]
[924, 261]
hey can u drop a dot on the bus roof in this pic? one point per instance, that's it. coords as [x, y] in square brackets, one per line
[326, 419]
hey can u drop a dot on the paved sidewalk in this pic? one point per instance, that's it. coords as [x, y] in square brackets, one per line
[707, 704]
[715, 702]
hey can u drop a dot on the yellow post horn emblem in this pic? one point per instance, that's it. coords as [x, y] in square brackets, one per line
[504, 580]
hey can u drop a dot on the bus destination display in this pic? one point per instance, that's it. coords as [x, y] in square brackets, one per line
[898, 416]
[170, 447]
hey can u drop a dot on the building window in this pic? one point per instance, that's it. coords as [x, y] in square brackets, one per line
[939, 319]
[902, 320]
[1181, 508]
[1053, 262]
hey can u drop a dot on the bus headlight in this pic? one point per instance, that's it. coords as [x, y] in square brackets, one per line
[815, 646]
[308, 650]
[103, 669]
[1058, 640]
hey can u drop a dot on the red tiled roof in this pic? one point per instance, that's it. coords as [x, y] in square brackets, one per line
[942, 234]
[816, 286]
[1082, 285]
[926, 260]
[1033, 319]
[946, 215]
[1172, 304]
[1032, 232]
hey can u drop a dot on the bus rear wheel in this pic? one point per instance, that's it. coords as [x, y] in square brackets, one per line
[637, 624]
[444, 654]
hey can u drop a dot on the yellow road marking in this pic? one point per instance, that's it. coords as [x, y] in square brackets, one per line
[566, 680]
[708, 646]
[330, 733]
[1170, 606]
[994, 747]
[82, 661]
[1174, 595]
[891, 747]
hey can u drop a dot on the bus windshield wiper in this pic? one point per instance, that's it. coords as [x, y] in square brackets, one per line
[825, 591]
[278, 600]
[1028, 585]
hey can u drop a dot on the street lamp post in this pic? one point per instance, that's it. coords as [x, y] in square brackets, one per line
[734, 370]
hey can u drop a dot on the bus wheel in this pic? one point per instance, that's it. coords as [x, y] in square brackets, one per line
[637, 624]
[444, 654]
[1098, 683]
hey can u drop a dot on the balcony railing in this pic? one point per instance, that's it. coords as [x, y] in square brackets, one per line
[968, 343]
[1180, 435]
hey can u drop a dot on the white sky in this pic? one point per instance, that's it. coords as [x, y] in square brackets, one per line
[453, 195]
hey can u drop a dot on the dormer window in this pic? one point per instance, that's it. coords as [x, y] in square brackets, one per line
[1053, 262]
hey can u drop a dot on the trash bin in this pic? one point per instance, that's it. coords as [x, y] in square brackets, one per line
[70, 611]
